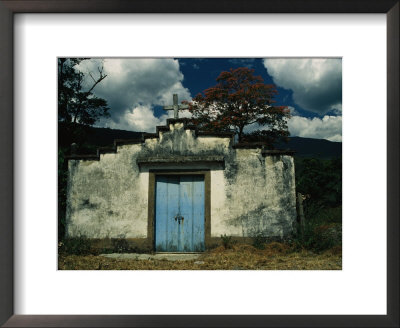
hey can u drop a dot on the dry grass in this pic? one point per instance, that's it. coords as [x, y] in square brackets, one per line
[275, 256]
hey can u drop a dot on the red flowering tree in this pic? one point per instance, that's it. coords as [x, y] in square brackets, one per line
[238, 100]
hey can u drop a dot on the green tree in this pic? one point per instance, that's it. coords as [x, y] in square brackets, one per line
[238, 100]
[320, 180]
[76, 101]
[78, 108]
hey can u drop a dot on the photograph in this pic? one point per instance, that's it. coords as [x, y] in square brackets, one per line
[199, 163]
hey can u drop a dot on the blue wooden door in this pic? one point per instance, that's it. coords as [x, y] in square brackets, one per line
[179, 217]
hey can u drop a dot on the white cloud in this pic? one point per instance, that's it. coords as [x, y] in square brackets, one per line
[316, 83]
[329, 127]
[336, 109]
[134, 86]
[140, 118]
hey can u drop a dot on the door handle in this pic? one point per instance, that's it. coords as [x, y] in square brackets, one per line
[179, 218]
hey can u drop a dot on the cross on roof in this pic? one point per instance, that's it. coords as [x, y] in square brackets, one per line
[175, 107]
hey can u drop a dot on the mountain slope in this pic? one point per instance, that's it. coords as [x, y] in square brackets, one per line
[309, 147]
[303, 147]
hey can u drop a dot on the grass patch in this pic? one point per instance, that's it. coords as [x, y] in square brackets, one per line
[274, 256]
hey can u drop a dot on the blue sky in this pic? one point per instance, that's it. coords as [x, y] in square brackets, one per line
[137, 88]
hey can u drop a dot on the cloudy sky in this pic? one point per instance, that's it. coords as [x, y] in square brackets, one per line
[136, 89]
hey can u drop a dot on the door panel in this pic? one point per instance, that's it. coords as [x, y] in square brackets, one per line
[161, 202]
[167, 207]
[185, 227]
[198, 214]
[179, 213]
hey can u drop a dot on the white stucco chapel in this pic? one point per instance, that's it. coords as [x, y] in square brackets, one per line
[179, 190]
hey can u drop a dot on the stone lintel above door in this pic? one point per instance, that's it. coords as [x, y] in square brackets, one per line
[154, 160]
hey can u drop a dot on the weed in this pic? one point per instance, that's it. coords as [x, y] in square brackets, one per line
[120, 245]
[259, 241]
[75, 246]
[227, 241]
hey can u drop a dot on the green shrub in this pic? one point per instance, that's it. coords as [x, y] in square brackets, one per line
[259, 241]
[318, 237]
[329, 215]
[327, 236]
[120, 245]
[321, 180]
[227, 241]
[76, 246]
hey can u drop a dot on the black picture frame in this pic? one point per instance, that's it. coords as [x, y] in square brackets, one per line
[10, 7]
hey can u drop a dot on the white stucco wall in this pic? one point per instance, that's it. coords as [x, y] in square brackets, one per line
[259, 199]
[251, 194]
[107, 198]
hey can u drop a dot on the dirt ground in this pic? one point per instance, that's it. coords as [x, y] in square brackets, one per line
[275, 256]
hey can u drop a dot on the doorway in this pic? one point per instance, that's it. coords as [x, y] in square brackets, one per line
[179, 213]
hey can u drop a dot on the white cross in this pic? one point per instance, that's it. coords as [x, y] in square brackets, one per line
[175, 107]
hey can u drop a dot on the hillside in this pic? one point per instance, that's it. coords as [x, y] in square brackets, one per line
[105, 137]
[309, 147]
[303, 147]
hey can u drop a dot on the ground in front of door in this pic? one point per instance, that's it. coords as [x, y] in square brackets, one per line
[239, 257]
[153, 257]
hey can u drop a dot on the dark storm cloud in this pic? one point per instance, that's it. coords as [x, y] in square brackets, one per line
[316, 83]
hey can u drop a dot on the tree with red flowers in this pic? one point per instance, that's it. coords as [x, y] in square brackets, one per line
[239, 100]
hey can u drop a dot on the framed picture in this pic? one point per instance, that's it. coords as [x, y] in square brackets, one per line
[24, 278]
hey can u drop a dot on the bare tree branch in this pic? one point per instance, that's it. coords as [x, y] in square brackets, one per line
[101, 78]
[90, 74]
